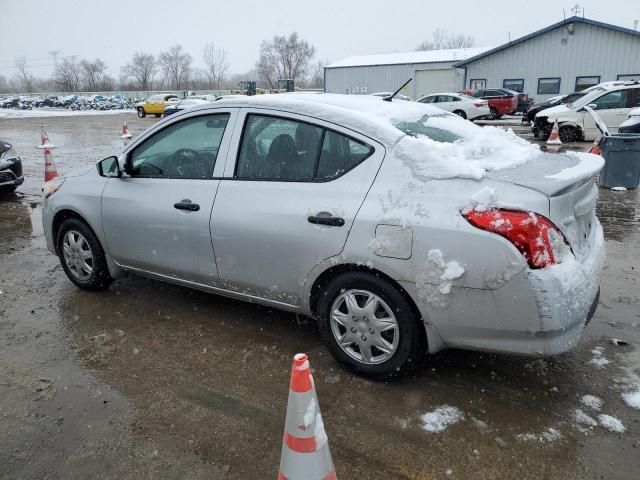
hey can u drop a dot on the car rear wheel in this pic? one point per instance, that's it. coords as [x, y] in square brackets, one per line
[81, 256]
[141, 112]
[369, 326]
[569, 134]
[494, 114]
[460, 113]
[158, 115]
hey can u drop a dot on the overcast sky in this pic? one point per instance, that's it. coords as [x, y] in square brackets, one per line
[112, 30]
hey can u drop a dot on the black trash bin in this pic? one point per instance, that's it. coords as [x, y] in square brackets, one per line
[621, 155]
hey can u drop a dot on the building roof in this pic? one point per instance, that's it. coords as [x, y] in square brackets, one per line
[537, 33]
[426, 56]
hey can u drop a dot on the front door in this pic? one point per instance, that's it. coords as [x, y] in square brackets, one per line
[288, 202]
[613, 108]
[156, 219]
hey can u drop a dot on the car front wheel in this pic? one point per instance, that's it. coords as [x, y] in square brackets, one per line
[141, 112]
[569, 134]
[369, 326]
[81, 256]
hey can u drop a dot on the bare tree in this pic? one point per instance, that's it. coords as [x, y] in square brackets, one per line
[26, 79]
[176, 65]
[142, 68]
[67, 75]
[284, 57]
[4, 84]
[92, 73]
[107, 83]
[216, 61]
[442, 39]
[316, 76]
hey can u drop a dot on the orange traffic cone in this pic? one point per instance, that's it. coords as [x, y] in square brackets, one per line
[50, 171]
[125, 131]
[305, 446]
[554, 138]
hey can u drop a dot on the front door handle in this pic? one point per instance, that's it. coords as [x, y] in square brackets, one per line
[186, 204]
[325, 218]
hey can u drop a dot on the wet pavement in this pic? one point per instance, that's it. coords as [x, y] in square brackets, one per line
[150, 380]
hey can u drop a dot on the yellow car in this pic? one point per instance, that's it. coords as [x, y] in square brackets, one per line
[154, 105]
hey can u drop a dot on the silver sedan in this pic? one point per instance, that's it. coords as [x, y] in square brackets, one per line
[401, 228]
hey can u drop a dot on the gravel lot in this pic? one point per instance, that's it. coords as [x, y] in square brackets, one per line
[150, 380]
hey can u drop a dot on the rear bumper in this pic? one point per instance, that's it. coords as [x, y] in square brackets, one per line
[536, 312]
[11, 183]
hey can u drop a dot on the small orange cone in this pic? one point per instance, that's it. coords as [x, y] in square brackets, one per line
[554, 138]
[50, 171]
[305, 446]
[125, 131]
[595, 147]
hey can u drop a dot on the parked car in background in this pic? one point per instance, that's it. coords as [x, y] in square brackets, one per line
[612, 103]
[530, 115]
[10, 169]
[183, 104]
[632, 123]
[462, 105]
[372, 217]
[501, 101]
[155, 104]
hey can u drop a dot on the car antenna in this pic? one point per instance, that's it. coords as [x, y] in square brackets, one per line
[390, 97]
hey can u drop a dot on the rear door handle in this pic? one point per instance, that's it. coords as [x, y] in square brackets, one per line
[186, 204]
[325, 218]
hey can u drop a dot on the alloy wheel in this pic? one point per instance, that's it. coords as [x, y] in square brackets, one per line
[77, 255]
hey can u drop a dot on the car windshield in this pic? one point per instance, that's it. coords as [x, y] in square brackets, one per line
[587, 99]
[434, 127]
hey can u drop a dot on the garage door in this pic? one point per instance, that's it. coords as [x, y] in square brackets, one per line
[434, 81]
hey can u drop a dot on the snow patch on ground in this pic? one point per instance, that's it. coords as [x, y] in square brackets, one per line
[53, 112]
[435, 279]
[632, 398]
[583, 419]
[611, 423]
[439, 419]
[599, 360]
[546, 436]
[591, 401]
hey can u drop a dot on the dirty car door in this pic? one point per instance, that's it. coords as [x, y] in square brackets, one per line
[157, 218]
[288, 202]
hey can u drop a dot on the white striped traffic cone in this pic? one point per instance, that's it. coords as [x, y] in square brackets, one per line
[50, 171]
[554, 138]
[305, 446]
[125, 131]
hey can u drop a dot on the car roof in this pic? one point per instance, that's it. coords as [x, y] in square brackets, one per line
[367, 114]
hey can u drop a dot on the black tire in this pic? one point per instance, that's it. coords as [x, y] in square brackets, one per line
[141, 112]
[99, 279]
[411, 345]
[158, 115]
[494, 114]
[569, 134]
[460, 113]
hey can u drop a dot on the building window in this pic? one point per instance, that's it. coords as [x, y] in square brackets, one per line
[478, 83]
[629, 77]
[583, 83]
[516, 84]
[549, 86]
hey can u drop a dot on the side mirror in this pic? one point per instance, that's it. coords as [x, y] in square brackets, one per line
[109, 167]
[593, 106]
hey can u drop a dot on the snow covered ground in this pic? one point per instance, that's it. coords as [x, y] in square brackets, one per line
[57, 112]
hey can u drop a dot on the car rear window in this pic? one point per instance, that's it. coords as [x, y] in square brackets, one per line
[422, 127]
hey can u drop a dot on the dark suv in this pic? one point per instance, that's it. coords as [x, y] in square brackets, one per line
[10, 169]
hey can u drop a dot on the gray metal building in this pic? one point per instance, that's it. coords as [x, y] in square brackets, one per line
[432, 71]
[567, 56]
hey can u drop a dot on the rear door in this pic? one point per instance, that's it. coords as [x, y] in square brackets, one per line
[288, 200]
[157, 218]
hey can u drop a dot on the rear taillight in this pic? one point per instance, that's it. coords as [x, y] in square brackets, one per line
[527, 231]
[478, 105]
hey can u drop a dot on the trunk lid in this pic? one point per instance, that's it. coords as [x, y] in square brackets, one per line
[567, 181]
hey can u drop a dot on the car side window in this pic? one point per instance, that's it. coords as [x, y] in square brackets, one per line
[634, 97]
[445, 98]
[281, 149]
[615, 99]
[340, 154]
[187, 149]
[431, 99]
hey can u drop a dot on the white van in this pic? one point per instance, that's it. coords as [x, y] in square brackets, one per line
[612, 102]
